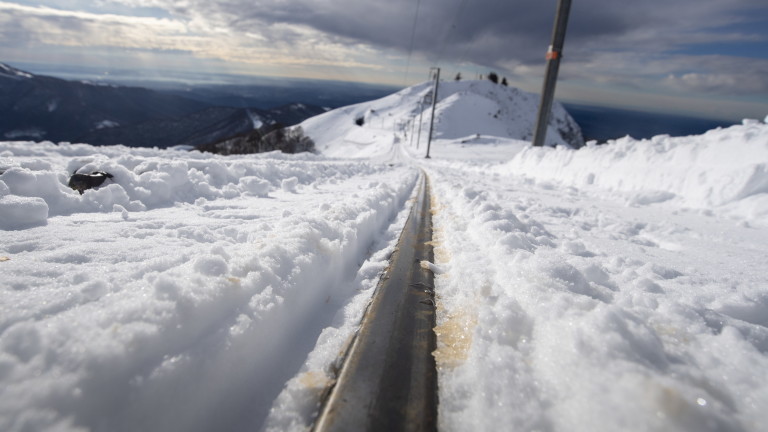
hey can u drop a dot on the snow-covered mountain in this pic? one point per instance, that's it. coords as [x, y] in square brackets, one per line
[467, 110]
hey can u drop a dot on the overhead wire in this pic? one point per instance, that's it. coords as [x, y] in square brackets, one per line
[449, 32]
[413, 38]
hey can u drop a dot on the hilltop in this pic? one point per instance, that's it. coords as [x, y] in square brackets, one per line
[476, 112]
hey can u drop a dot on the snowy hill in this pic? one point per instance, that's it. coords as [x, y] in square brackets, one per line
[464, 110]
[614, 287]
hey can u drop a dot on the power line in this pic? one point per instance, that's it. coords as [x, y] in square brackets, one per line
[410, 47]
[449, 33]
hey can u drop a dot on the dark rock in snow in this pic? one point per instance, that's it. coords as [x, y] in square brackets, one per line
[82, 182]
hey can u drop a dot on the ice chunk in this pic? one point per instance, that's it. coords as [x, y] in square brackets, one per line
[289, 184]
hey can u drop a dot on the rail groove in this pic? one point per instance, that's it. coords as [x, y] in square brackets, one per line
[388, 381]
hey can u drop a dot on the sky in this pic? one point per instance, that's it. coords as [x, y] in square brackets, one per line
[703, 57]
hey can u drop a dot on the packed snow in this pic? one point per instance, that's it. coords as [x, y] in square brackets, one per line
[616, 287]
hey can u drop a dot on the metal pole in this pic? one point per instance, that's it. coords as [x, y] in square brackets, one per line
[413, 129]
[554, 54]
[432, 120]
[418, 134]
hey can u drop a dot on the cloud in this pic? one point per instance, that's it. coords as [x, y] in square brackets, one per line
[745, 82]
[484, 32]
[681, 74]
[480, 31]
[276, 44]
[72, 28]
[629, 44]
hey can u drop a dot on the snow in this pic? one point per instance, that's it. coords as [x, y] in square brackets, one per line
[255, 119]
[22, 212]
[17, 133]
[8, 71]
[464, 108]
[106, 124]
[587, 314]
[189, 279]
[713, 177]
[616, 287]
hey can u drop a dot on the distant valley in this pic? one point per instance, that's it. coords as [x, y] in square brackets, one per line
[603, 123]
[37, 107]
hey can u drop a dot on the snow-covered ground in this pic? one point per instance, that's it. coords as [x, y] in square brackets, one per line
[615, 287]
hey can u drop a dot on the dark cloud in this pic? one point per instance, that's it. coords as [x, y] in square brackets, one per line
[618, 44]
[485, 32]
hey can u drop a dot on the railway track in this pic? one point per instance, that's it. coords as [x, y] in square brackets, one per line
[388, 379]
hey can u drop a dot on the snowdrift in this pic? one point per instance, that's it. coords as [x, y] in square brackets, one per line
[723, 167]
[33, 183]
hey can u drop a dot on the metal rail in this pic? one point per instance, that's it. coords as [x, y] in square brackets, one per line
[388, 381]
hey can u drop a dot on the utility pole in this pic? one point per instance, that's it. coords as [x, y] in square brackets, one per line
[554, 54]
[432, 120]
[418, 134]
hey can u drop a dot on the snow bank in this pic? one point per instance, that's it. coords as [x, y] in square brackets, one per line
[142, 180]
[721, 167]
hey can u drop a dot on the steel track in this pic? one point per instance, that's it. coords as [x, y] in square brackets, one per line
[388, 380]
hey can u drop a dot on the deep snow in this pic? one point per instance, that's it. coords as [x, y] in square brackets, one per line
[617, 287]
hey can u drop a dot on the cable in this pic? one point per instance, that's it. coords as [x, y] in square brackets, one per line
[410, 48]
[449, 32]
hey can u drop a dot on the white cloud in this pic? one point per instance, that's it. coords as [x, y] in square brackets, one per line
[72, 28]
[748, 82]
[276, 44]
